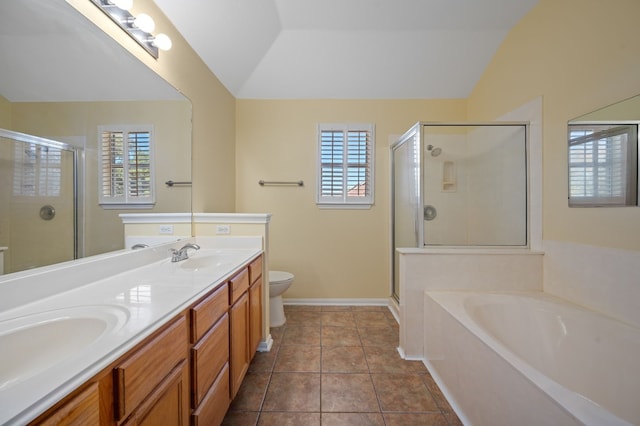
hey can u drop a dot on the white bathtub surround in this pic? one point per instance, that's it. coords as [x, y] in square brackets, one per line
[531, 359]
[137, 291]
[481, 269]
[603, 279]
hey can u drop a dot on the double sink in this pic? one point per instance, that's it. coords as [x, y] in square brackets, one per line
[56, 343]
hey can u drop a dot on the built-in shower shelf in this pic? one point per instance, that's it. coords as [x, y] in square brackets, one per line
[449, 180]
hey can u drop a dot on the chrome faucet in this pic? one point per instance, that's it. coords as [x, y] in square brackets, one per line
[178, 255]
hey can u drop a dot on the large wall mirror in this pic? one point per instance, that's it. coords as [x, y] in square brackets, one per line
[61, 78]
[603, 156]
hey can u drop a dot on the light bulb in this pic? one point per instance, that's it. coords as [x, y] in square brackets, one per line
[145, 23]
[162, 42]
[123, 4]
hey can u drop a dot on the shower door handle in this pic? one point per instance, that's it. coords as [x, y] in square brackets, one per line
[430, 212]
[47, 212]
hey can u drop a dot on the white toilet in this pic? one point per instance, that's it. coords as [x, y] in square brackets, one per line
[279, 282]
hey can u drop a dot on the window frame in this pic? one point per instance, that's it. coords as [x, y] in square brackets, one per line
[344, 200]
[127, 200]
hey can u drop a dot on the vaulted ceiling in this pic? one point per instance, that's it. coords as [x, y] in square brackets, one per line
[265, 49]
[358, 49]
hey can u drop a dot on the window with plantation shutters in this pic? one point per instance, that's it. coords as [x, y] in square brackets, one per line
[345, 165]
[126, 166]
[37, 170]
[602, 164]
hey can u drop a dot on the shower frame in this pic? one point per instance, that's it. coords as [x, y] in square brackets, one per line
[416, 135]
[78, 178]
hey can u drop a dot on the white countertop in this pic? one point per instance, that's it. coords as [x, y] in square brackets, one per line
[136, 301]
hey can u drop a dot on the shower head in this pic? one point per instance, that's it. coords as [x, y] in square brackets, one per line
[435, 151]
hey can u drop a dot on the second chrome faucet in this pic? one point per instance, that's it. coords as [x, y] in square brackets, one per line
[178, 255]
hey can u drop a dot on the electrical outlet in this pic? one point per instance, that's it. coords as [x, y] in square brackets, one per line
[223, 229]
[166, 229]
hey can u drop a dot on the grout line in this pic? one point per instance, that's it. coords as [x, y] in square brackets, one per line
[390, 323]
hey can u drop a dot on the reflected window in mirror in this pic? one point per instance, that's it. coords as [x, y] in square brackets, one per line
[603, 164]
[126, 166]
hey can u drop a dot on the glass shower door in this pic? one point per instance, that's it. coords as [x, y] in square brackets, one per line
[458, 185]
[475, 184]
[38, 193]
[406, 199]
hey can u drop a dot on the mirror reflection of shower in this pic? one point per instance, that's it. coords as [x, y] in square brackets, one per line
[38, 201]
[435, 151]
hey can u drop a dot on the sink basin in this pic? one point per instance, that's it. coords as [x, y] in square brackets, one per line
[33, 343]
[207, 261]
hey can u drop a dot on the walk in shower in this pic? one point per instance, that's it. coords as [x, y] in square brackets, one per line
[38, 201]
[459, 185]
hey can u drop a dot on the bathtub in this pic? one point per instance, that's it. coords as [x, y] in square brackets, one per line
[531, 359]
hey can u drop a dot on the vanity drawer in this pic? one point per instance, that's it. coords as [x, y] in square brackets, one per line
[208, 357]
[137, 376]
[255, 270]
[207, 312]
[215, 403]
[239, 284]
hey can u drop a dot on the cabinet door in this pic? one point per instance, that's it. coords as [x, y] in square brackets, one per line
[239, 341]
[168, 404]
[255, 319]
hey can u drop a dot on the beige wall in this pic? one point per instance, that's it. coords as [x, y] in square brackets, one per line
[579, 55]
[213, 106]
[343, 254]
[332, 253]
[5, 113]
[77, 123]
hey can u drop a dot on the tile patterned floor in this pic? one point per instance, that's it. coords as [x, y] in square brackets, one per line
[338, 365]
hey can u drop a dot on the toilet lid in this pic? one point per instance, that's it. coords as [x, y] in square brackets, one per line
[276, 277]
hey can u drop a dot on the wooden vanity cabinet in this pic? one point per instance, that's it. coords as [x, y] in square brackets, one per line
[210, 396]
[239, 329]
[255, 304]
[79, 409]
[153, 381]
[186, 372]
[246, 320]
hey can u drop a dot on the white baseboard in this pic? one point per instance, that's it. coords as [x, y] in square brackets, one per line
[265, 345]
[395, 309]
[337, 302]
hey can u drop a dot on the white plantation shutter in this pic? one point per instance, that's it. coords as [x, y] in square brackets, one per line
[126, 166]
[602, 164]
[37, 170]
[345, 165]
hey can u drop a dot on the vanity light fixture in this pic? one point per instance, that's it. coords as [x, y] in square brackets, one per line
[122, 4]
[140, 27]
[144, 22]
[162, 41]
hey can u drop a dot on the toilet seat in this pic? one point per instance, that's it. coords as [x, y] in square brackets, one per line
[279, 277]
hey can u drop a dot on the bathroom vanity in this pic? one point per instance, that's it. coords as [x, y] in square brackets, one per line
[163, 343]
